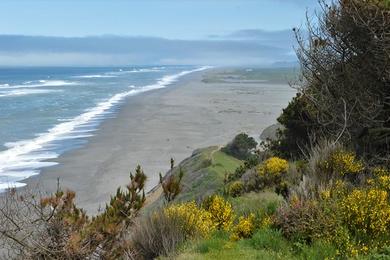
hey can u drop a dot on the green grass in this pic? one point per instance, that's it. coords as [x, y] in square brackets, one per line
[208, 179]
[219, 246]
[264, 202]
[204, 173]
[222, 163]
[265, 244]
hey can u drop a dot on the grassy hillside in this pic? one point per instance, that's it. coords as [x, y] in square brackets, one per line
[204, 174]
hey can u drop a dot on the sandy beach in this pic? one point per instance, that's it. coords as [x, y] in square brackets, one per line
[152, 127]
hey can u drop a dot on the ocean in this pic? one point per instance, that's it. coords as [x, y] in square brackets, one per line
[45, 112]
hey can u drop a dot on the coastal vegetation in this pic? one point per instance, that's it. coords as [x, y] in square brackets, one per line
[319, 190]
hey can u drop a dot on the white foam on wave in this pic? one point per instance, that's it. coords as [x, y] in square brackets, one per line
[121, 72]
[23, 92]
[95, 76]
[25, 158]
[40, 83]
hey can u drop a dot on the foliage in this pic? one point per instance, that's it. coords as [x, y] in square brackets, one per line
[270, 239]
[204, 179]
[236, 188]
[158, 234]
[196, 220]
[297, 123]
[270, 173]
[343, 163]
[261, 204]
[367, 213]
[327, 164]
[305, 221]
[249, 163]
[221, 211]
[171, 184]
[240, 147]
[244, 228]
[344, 77]
[111, 225]
[274, 166]
[54, 227]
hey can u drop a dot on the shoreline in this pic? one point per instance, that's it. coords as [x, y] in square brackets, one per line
[150, 128]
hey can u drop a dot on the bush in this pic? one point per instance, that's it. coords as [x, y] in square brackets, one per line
[328, 163]
[249, 163]
[197, 221]
[158, 235]
[271, 172]
[274, 166]
[297, 123]
[53, 227]
[221, 211]
[244, 228]
[252, 181]
[343, 163]
[240, 147]
[236, 188]
[366, 212]
[306, 221]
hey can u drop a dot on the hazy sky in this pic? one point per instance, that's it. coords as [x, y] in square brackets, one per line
[177, 19]
[216, 32]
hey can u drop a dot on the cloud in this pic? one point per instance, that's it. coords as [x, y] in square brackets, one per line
[248, 47]
[281, 39]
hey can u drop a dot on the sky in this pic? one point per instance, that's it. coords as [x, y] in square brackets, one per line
[186, 24]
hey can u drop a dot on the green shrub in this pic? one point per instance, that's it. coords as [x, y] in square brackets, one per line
[158, 235]
[296, 121]
[236, 188]
[306, 221]
[240, 147]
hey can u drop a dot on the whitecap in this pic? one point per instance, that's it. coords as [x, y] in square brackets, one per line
[40, 83]
[95, 76]
[23, 92]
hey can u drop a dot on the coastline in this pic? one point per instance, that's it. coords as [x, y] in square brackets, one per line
[152, 127]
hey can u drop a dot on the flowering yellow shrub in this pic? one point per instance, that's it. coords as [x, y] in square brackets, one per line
[367, 211]
[244, 228]
[273, 166]
[195, 220]
[236, 188]
[221, 212]
[344, 163]
[384, 182]
[266, 222]
[380, 171]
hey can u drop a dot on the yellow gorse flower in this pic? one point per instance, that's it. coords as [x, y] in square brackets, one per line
[273, 166]
[221, 212]
[367, 211]
[244, 228]
[195, 220]
[344, 163]
[380, 171]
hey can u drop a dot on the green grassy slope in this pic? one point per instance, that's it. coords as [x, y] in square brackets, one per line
[204, 173]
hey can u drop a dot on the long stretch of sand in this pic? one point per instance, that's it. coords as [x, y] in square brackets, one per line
[152, 127]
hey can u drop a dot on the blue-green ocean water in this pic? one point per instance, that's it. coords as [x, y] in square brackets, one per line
[47, 111]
